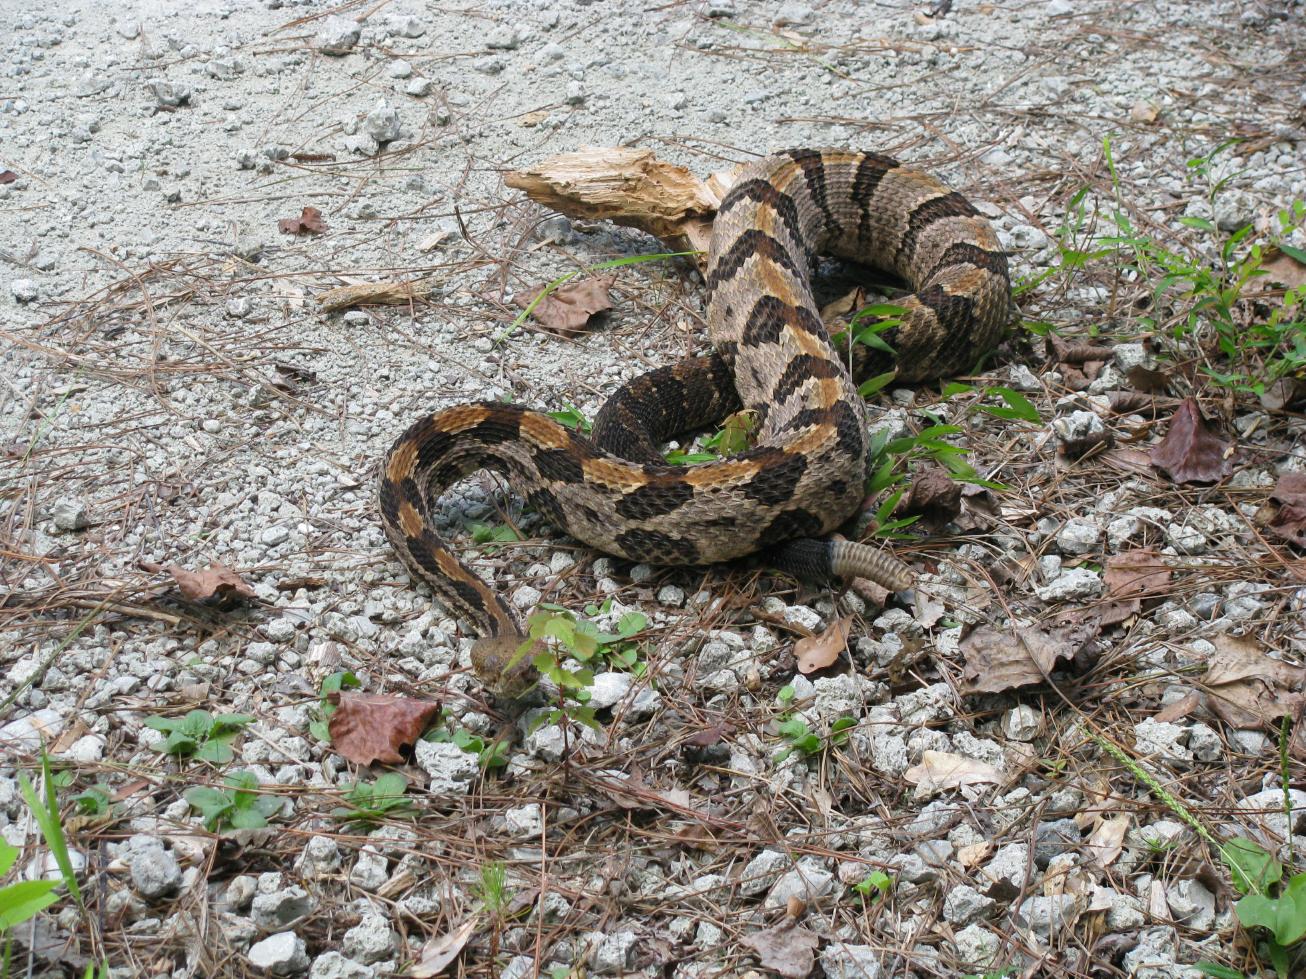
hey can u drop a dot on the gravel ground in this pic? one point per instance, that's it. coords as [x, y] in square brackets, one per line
[173, 395]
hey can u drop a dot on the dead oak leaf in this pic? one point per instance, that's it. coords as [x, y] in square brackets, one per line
[817, 652]
[367, 728]
[1191, 452]
[309, 222]
[788, 949]
[1007, 658]
[1285, 266]
[568, 309]
[1249, 689]
[1290, 520]
[1130, 577]
[940, 770]
[217, 583]
[1147, 380]
[935, 495]
[1107, 840]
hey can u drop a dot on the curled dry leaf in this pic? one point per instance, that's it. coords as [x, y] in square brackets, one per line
[817, 652]
[1191, 452]
[309, 222]
[1288, 270]
[788, 949]
[940, 770]
[1283, 393]
[1108, 839]
[1131, 577]
[1003, 659]
[1249, 689]
[568, 309]
[1290, 520]
[366, 728]
[217, 582]
[1146, 380]
[935, 495]
[439, 952]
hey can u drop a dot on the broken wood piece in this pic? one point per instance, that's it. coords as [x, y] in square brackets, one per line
[631, 187]
[373, 294]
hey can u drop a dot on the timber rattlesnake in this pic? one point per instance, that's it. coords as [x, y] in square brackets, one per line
[806, 473]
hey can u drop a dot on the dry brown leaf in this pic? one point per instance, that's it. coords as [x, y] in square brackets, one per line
[1190, 452]
[1282, 393]
[709, 736]
[1180, 708]
[216, 582]
[974, 854]
[7, 176]
[1290, 520]
[1146, 380]
[1249, 689]
[1284, 269]
[935, 495]
[940, 770]
[1131, 577]
[439, 952]
[817, 652]
[1108, 839]
[1003, 659]
[788, 949]
[567, 310]
[373, 294]
[309, 222]
[1144, 112]
[366, 728]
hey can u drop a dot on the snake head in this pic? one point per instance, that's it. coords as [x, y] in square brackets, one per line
[504, 664]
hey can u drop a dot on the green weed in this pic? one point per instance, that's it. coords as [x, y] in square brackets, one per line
[23, 899]
[200, 735]
[319, 725]
[489, 754]
[874, 885]
[239, 805]
[372, 802]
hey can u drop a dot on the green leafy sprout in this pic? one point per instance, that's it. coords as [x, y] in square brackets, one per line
[372, 802]
[239, 805]
[319, 725]
[200, 735]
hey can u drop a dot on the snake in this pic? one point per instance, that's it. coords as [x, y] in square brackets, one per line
[805, 473]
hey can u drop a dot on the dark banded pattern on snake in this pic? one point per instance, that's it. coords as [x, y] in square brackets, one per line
[772, 355]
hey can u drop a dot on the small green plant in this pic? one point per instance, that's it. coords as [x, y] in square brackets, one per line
[23, 899]
[580, 640]
[491, 888]
[200, 735]
[319, 726]
[1249, 341]
[802, 738]
[371, 802]
[572, 418]
[1003, 973]
[874, 885]
[96, 801]
[1269, 901]
[489, 754]
[489, 534]
[734, 436]
[239, 805]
